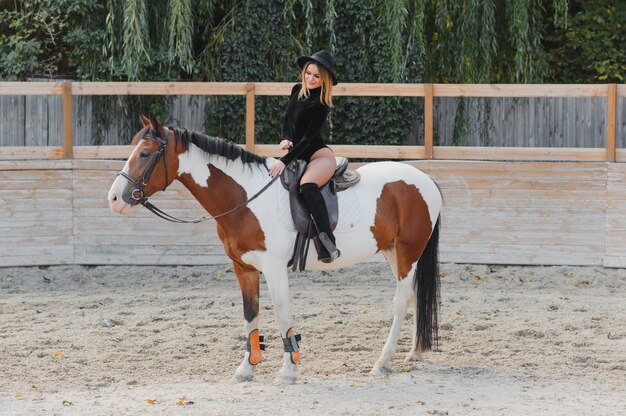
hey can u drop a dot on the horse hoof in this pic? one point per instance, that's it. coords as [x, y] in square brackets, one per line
[237, 378]
[286, 379]
[413, 356]
[243, 376]
[381, 370]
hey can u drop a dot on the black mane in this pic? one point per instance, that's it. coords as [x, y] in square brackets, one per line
[216, 146]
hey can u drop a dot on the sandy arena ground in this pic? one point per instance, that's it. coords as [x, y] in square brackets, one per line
[166, 341]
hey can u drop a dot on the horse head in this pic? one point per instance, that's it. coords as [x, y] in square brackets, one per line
[151, 167]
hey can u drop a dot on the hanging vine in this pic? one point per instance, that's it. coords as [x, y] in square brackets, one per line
[180, 34]
[473, 41]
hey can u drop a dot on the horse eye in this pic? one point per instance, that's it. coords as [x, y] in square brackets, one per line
[144, 154]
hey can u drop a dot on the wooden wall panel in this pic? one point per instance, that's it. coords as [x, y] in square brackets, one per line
[521, 212]
[12, 115]
[103, 237]
[36, 207]
[615, 255]
[56, 212]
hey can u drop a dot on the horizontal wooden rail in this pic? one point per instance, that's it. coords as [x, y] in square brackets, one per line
[608, 92]
[519, 90]
[386, 152]
[31, 152]
[102, 152]
[284, 88]
[159, 88]
[353, 90]
[31, 88]
[356, 151]
[519, 153]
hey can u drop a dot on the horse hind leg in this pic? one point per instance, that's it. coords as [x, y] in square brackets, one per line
[419, 285]
[426, 297]
[402, 299]
[415, 354]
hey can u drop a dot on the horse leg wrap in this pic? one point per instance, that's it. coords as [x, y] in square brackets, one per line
[292, 346]
[254, 345]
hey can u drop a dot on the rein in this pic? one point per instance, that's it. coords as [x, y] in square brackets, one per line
[159, 213]
[139, 195]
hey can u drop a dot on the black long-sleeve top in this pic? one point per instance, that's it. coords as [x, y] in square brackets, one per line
[303, 123]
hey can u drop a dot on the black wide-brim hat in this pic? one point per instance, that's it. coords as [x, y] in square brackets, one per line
[323, 58]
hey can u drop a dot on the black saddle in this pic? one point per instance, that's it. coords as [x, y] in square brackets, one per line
[341, 180]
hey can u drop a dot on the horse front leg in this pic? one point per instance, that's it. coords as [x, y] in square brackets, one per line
[249, 283]
[278, 285]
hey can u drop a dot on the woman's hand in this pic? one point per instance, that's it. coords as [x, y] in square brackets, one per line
[277, 169]
[285, 144]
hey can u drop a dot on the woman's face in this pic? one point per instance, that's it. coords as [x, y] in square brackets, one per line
[312, 76]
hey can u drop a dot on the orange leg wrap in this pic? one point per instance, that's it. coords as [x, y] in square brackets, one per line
[295, 355]
[255, 347]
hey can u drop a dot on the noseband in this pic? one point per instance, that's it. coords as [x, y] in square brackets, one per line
[137, 194]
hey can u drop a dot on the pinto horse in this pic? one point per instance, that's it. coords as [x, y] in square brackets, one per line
[394, 209]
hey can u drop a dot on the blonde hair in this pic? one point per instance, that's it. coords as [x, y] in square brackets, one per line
[326, 95]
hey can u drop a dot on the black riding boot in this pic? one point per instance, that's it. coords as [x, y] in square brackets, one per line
[316, 204]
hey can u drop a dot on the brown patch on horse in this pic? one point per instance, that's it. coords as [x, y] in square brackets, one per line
[240, 231]
[402, 219]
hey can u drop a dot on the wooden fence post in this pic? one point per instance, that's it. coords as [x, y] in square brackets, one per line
[68, 149]
[611, 122]
[428, 120]
[250, 94]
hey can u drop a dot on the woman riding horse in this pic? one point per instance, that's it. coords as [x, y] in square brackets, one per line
[308, 108]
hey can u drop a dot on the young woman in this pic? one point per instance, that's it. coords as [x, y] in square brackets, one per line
[308, 108]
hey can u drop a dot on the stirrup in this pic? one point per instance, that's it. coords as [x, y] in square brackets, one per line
[333, 252]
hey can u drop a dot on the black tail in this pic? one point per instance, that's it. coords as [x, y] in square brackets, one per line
[426, 286]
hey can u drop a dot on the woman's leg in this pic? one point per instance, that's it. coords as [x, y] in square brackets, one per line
[319, 171]
[320, 168]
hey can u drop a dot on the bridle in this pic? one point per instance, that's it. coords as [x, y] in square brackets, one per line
[137, 194]
[139, 184]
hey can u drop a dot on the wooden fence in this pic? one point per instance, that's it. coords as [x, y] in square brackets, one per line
[428, 92]
[501, 205]
[482, 122]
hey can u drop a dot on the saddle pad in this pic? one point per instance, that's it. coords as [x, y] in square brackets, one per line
[349, 211]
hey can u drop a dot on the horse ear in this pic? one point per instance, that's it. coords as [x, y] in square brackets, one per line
[144, 120]
[155, 124]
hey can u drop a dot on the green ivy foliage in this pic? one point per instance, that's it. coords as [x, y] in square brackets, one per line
[253, 50]
[591, 48]
[400, 41]
[363, 55]
[49, 38]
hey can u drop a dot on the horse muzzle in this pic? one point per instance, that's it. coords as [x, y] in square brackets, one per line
[121, 196]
